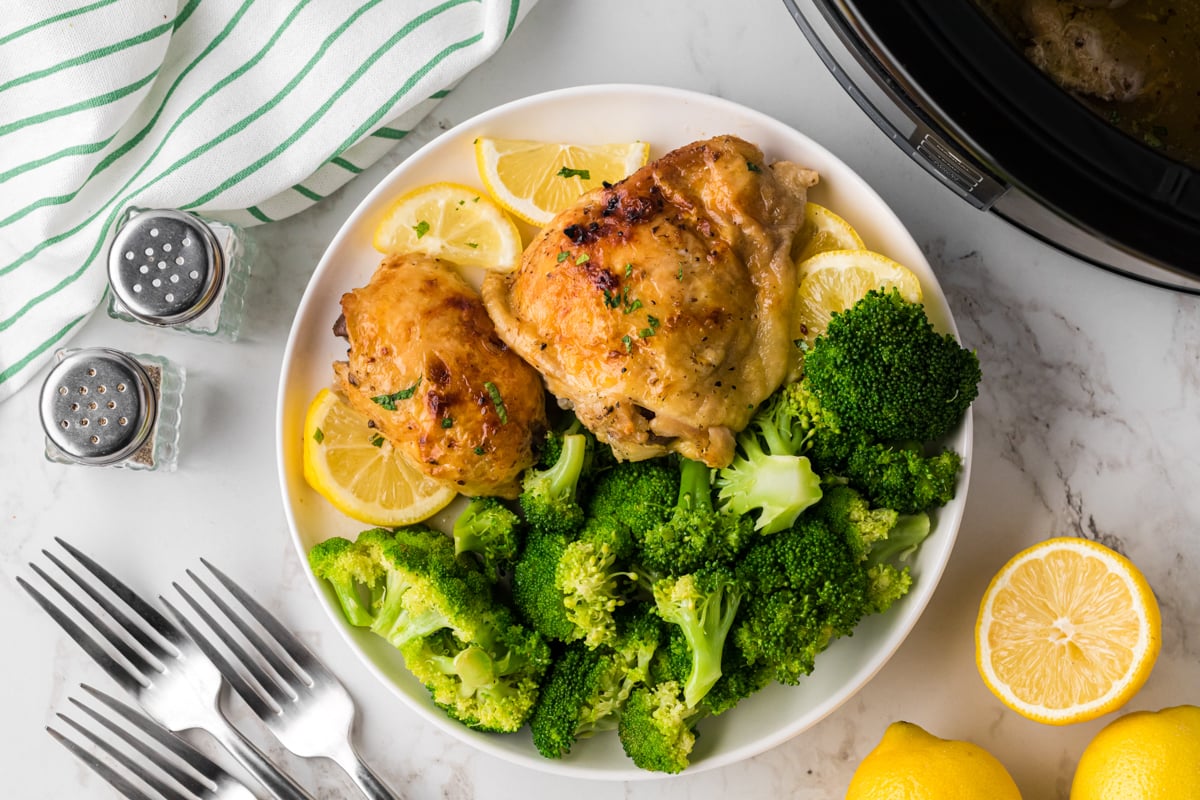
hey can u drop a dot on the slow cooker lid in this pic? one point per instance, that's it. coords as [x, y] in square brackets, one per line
[1018, 123]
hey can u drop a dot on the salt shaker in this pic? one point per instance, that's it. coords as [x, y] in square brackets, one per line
[178, 270]
[104, 407]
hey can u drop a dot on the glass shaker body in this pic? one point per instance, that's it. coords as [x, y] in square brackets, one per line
[178, 270]
[103, 407]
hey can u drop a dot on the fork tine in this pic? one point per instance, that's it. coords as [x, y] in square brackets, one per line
[296, 649]
[155, 732]
[174, 771]
[113, 777]
[282, 669]
[235, 679]
[161, 625]
[124, 760]
[139, 662]
[115, 669]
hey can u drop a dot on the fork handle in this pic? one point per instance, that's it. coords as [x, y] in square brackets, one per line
[372, 787]
[270, 776]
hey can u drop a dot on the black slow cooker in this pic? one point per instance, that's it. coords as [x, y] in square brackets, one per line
[947, 86]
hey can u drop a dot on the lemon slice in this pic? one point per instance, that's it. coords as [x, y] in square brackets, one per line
[535, 180]
[823, 231]
[454, 222]
[837, 279]
[1067, 631]
[360, 472]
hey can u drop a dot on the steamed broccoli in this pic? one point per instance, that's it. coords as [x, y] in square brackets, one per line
[805, 586]
[768, 474]
[549, 496]
[902, 540]
[846, 510]
[904, 478]
[491, 531]
[703, 604]
[409, 587]
[586, 688]
[569, 589]
[634, 494]
[656, 727]
[695, 533]
[882, 369]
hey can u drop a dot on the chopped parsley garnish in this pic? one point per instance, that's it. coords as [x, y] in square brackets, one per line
[750, 165]
[478, 451]
[318, 436]
[497, 401]
[421, 228]
[567, 172]
[472, 245]
[388, 401]
[377, 440]
[628, 270]
[634, 306]
[563, 255]
[583, 258]
[447, 422]
[628, 342]
[611, 300]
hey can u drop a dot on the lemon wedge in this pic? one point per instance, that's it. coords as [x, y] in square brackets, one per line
[823, 231]
[1068, 630]
[533, 181]
[359, 471]
[837, 279]
[451, 221]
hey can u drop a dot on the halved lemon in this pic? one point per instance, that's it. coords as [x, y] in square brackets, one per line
[837, 279]
[454, 222]
[536, 180]
[1067, 631]
[823, 231]
[360, 472]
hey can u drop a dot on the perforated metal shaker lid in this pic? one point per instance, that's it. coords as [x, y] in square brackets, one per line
[98, 405]
[165, 266]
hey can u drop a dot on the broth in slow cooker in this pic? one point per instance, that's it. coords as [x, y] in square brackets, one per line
[1135, 63]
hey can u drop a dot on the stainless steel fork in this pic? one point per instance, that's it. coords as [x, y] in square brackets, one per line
[163, 762]
[298, 699]
[158, 664]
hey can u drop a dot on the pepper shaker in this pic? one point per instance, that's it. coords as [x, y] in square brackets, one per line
[104, 407]
[178, 270]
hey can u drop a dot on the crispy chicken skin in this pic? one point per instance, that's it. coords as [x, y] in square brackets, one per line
[417, 323]
[658, 308]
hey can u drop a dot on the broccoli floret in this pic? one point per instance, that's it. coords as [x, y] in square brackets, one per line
[846, 510]
[635, 494]
[883, 370]
[885, 585]
[695, 533]
[903, 478]
[587, 688]
[739, 679]
[805, 586]
[410, 588]
[491, 531]
[656, 727]
[703, 604]
[827, 443]
[490, 683]
[569, 589]
[903, 539]
[549, 496]
[768, 474]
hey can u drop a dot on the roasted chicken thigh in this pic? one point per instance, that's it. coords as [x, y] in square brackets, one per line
[658, 308]
[426, 367]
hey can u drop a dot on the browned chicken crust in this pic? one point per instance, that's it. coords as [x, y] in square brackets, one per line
[467, 409]
[659, 308]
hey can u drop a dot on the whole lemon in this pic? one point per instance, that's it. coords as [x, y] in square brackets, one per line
[911, 764]
[1147, 755]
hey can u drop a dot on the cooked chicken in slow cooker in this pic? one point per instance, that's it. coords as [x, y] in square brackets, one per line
[426, 368]
[659, 308]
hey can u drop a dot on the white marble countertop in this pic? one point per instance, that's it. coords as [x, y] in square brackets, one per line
[1088, 424]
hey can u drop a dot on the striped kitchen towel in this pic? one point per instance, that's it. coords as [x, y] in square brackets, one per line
[249, 110]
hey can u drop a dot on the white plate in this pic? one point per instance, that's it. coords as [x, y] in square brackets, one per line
[666, 118]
